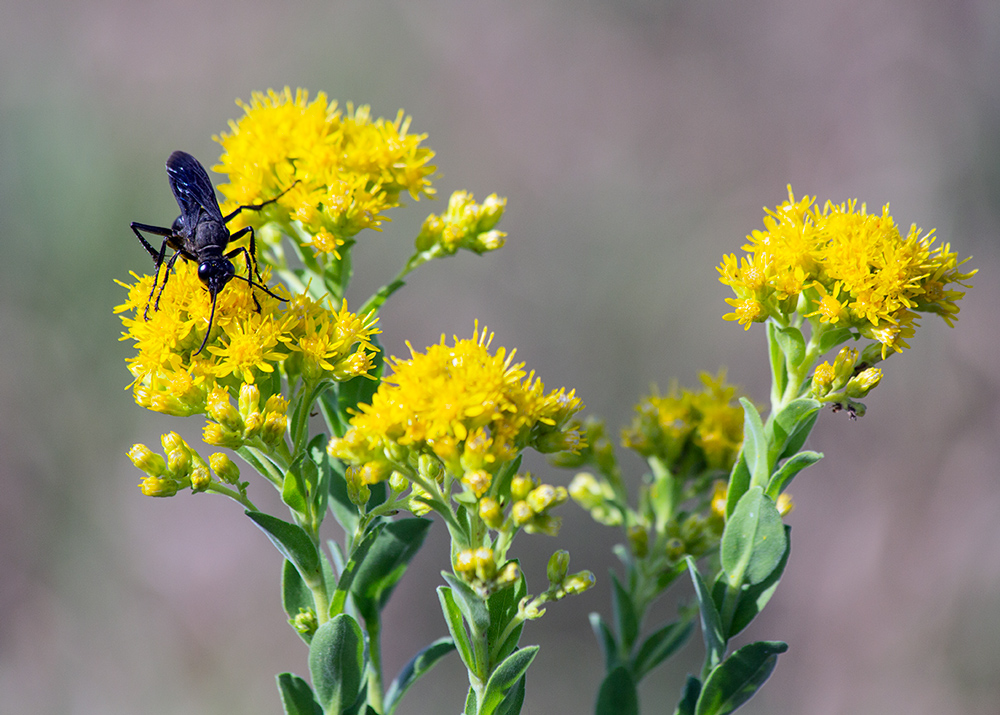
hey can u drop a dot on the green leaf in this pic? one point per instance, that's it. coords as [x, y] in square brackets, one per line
[473, 607]
[753, 541]
[295, 595]
[754, 444]
[618, 694]
[689, 696]
[350, 570]
[296, 696]
[294, 490]
[321, 462]
[606, 639]
[336, 663]
[739, 482]
[753, 598]
[660, 645]
[291, 540]
[418, 666]
[832, 338]
[504, 677]
[784, 475]
[386, 563]
[626, 620]
[344, 510]
[738, 677]
[711, 623]
[792, 344]
[456, 626]
[503, 607]
[788, 431]
[513, 700]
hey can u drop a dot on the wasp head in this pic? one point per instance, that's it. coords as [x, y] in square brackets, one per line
[215, 273]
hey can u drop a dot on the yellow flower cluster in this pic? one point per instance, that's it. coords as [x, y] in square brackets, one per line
[341, 172]
[470, 409]
[841, 265]
[305, 337]
[689, 431]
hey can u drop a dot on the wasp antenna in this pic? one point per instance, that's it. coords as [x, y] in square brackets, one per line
[208, 332]
[263, 287]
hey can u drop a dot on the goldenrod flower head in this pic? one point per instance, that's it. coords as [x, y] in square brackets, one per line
[308, 337]
[710, 421]
[456, 402]
[841, 265]
[342, 171]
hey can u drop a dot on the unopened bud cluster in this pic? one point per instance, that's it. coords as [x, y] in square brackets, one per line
[181, 467]
[233, 427]
[465, 225]
[849, 378]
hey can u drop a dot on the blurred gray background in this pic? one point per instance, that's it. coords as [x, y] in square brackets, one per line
[637, 142]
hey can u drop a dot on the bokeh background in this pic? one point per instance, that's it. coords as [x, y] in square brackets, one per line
[637, 141]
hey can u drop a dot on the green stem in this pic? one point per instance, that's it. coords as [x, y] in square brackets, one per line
[218, 488]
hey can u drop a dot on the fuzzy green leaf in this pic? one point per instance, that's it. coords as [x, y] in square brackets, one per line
[418, 666]
[711, 622]
[660, 645]
[618, 694]
[606, 639]
[504, 677]
[336, 663]
[626, 620]
[456, 626]
[753, 541]
[783, 476]
[738, 677]
[296, 696]
[689, 696]
[788, 431]
[291, 540]
[386, 562]
[754, 444]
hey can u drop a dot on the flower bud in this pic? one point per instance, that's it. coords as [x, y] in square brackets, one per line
[863, 383]
[430, 468]
[558, 567]
[586, 491]
[521, 513]
[201, 479]
[224, 468]
[490, 512]
[357, 491]
[179, 461]
[578, 583]
[220, 409]
[398, 482]
[157, 487]
[521, 485]
[545, 497]
[249, 399]
[147, 460]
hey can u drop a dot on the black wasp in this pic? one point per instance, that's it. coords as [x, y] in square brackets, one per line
[200, 235]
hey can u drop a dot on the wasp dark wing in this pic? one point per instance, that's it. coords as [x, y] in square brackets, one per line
[192, 188]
